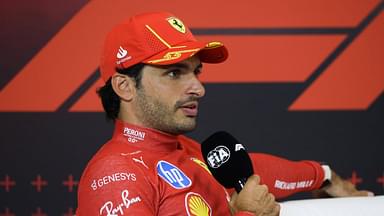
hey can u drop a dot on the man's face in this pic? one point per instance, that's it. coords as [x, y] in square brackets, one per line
[167, 99]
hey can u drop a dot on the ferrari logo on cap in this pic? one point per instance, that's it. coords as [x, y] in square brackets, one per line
[177, 24]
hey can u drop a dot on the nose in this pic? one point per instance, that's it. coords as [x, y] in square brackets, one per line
[196, 88]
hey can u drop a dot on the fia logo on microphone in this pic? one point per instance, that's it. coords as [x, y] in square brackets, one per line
[218, 156]
[173, 175]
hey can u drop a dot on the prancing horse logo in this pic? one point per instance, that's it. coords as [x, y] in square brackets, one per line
[177, 24]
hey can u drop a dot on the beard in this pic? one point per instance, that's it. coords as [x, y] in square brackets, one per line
[153, 113]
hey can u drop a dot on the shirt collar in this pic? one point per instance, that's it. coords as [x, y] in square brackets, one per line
[145, 138]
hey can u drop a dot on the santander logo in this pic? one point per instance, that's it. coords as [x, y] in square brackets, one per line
[121, 53]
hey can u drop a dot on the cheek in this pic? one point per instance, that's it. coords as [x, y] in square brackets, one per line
[160, 95]
[167, 91]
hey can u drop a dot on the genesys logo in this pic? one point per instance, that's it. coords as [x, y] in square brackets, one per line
[173, 175]
[115, 177]
[336, 68]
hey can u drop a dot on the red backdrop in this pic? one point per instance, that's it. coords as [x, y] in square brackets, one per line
[304, 80]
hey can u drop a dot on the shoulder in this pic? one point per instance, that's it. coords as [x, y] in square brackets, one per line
[113, 160]
[188, 141]
[109, 178]
[104, 170]
[191, 145]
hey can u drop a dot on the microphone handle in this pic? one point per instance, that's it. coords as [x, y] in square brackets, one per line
[239, 184]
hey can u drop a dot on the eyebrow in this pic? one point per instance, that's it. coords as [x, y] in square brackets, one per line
[184, 65]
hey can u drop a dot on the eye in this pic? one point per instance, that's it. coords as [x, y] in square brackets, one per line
[198, 71]
[174, 74]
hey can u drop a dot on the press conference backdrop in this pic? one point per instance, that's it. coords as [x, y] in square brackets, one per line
[304, 80]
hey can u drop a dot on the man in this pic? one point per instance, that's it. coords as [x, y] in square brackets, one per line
[151, 64]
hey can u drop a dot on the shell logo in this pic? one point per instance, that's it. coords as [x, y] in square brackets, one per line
[196, 205]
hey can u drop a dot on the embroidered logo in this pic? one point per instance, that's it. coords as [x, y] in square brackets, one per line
[173, 175]
[140, 161]
[177, 24]
[121, 53]
[134, 135]
[201, 163]
[196, 205]
[116, 177]
[113, 209]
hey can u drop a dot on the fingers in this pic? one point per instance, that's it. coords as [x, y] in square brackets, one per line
[363, 193]
[272, 208]
[269, 202]
[344, 188]
[276, 210]
[253, 180]
[255, 198]
[252, 186]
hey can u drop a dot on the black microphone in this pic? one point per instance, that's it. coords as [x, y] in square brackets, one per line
[227, 160]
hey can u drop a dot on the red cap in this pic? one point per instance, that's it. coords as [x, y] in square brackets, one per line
[154, 38]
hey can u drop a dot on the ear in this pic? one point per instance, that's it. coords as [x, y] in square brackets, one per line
[123, 86]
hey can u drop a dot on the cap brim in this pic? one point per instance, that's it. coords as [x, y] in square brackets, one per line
[212, 52]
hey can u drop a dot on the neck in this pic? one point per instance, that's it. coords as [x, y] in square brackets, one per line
[127, 114]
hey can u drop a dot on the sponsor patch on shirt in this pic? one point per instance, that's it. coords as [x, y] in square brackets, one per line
[282, 185]
[195, 205]
[117, 207]
[201, 163]
[133, 135]
[115, 177]
[173, 175]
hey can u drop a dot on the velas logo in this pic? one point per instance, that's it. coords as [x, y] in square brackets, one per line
[196, 205]
[173, 175]
[218, 156]
[177, 24]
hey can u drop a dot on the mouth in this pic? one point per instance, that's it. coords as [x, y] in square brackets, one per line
[190, 109]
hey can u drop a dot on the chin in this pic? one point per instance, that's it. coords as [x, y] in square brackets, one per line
[186, 126]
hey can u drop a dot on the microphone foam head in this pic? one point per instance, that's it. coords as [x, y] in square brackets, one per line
[226, 158]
